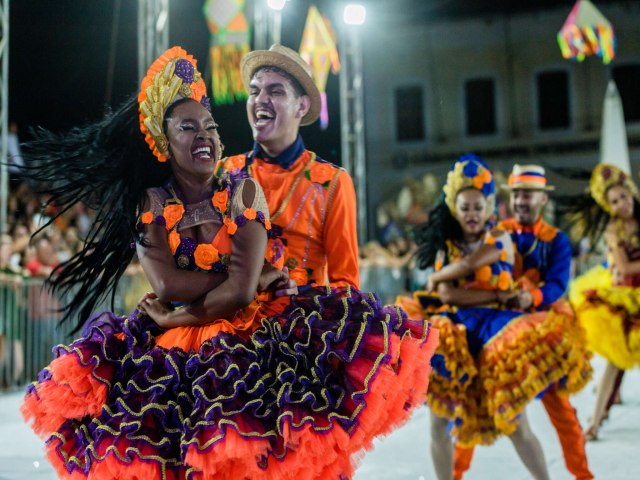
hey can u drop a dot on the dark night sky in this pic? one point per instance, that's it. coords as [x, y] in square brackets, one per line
[59, 56]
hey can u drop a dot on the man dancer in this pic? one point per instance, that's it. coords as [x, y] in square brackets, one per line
[311, 200]
[541, 269]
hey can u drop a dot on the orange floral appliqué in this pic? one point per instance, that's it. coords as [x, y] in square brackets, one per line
[220, 199]
[205, 256]
[174, 241]
[234, 163]
[249, 213]
[321, 172]
[267, 224]
[483, 274]
[172, 214]
[147, 217]
[504, 280]
[231, 225]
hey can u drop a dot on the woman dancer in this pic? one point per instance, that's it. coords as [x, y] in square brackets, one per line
[607, 300]
[491, 362]
[230, 385]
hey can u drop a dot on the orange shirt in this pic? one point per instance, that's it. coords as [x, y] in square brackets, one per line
[314, 203]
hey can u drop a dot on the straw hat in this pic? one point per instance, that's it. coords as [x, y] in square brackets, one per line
[292, 63]
[528, 177]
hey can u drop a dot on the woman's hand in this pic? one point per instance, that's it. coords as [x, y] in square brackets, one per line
[159, 312]
[508, 298]
[276, 281]
[432, 283]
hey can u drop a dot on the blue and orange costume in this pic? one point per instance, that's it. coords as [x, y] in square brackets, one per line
[542, 266]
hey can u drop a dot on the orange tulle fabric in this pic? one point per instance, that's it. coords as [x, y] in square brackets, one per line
[128, 467]
[73, 393]
[244, 323]
[396, 390]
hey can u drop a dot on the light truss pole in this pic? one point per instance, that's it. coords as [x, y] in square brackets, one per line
[153, 32]
[352, 119]
[4, 112]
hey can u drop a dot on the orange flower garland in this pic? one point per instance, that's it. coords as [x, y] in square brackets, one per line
[220, 200]
[147, 218]
[174, 241]
[172, 214]
[205, 256]
[483, 274]
[232, 226]
[234, 163]
[249, 213]
[504, 280]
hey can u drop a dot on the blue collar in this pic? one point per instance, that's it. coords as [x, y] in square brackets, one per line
[286, 158]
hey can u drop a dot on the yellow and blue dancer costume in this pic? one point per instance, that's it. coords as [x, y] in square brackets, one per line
[608, 305]
[491, 362]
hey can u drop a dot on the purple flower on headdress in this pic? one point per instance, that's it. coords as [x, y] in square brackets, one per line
[606, 173]
[622, 177]
[185, 71]
[206, 103]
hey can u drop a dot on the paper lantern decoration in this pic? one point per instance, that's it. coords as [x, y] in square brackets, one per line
[587, 32]
[318, 48]
[229, 43]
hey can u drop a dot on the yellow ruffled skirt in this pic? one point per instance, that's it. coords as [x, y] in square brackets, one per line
[610, 315]
[520, 356]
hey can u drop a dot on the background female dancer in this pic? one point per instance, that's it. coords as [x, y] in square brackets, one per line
[607, 300]
[229, 385]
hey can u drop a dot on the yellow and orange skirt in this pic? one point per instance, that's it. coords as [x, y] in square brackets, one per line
[610, 315]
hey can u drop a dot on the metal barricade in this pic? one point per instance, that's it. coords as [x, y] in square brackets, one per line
[30, 324]
[387, 281]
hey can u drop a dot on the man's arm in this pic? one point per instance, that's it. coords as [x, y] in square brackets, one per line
[340, 234]
[556, 278]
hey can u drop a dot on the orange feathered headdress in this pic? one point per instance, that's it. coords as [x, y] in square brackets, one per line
[172, 76]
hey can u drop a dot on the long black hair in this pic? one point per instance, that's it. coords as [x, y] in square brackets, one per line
[432, 235]
[580, 215]
[107, 166]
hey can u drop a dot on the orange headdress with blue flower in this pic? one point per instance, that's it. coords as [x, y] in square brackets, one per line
[174, 75]
[604, 177]
[469, 171]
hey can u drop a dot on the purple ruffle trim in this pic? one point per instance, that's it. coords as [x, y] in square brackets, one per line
[164, 401]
